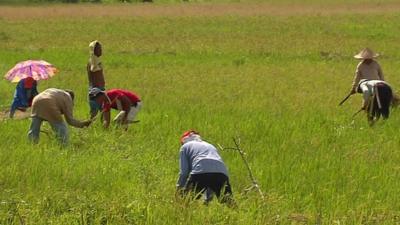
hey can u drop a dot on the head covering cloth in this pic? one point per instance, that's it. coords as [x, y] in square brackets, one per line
[190, 135]
[94, 60]
[29, 82]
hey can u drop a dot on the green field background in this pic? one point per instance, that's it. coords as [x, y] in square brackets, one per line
[302, 2]
[272, 81]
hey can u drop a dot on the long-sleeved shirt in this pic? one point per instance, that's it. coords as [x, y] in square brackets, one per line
[23, 96]
[372, 71]
[51, 104]
[197, 157]
[367, 88]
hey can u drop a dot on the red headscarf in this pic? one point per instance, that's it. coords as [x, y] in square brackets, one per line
[187, 134]
[29, 82]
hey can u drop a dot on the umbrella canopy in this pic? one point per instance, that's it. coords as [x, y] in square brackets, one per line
[37, 69]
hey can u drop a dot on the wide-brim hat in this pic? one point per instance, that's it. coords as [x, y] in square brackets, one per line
[366, 53]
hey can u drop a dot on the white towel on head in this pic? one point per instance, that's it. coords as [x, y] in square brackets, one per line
[94, 61]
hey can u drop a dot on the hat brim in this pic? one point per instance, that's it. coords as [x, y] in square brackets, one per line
[358, 56]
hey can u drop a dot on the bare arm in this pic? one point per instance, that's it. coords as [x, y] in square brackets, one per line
[89, 73]
[126, 107]
[106, 118]
[68, 114]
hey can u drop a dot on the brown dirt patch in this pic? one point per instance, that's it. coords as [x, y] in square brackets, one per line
[192, 9]
[19, 115]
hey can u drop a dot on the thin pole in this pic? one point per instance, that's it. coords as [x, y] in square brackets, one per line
[253, 180]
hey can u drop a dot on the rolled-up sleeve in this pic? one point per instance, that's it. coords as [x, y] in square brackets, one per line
[184, 168]
[356, 79]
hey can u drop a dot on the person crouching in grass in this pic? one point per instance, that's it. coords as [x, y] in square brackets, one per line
[382, 95]
[202, 170]
[25, 91]
[49, 106]
[127, 102]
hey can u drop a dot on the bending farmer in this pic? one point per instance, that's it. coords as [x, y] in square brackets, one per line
[377, 96]
[25, 91]
[49, 106]
[127, 102]
[202, 169]
[368, 68]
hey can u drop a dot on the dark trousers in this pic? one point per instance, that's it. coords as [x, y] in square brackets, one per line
[216, 182]
[385, 98]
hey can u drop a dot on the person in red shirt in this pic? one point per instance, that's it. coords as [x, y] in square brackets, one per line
[127, 102]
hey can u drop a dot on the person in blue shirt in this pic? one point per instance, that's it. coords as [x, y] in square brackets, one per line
[24, 93]
[202, 170]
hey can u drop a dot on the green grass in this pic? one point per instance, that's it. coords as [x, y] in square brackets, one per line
[273, 81]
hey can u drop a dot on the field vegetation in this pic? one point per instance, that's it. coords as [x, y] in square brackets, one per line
[270, 74]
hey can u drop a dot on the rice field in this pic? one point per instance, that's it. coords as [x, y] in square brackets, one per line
[268, 73]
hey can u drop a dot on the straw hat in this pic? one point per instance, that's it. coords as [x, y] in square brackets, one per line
[366, 53]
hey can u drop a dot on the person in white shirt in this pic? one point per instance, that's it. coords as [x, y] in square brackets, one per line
[382, 95]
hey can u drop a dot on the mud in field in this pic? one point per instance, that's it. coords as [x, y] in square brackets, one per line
[19, 115]
[191, 9]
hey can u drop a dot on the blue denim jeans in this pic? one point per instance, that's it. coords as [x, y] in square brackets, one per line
[60, 129]
[94, 107]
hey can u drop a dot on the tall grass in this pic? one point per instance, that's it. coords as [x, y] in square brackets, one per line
[274, 81]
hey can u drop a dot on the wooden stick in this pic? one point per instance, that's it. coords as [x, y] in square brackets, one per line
[242, 153]
[347, 97]
[357, 112]
[255, 184]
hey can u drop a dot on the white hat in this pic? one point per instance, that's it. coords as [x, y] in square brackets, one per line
[366, 53]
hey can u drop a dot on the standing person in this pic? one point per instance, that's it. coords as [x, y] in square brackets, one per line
[127, 102]
[382, 97]
[95, 67]
[202, 169]
[368, 68]
[49, 106]
[25, 91]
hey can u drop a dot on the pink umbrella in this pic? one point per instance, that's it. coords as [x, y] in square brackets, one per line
[37, 69]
